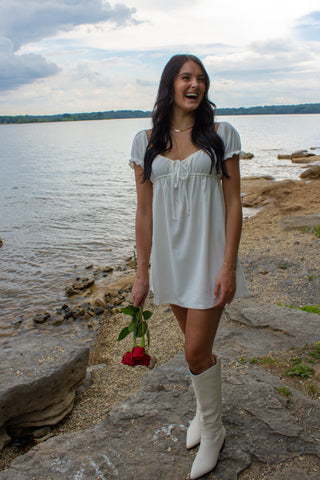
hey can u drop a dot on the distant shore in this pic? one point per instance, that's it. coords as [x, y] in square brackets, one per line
[303, 108]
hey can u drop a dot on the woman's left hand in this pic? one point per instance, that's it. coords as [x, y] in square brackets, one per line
[225, 287]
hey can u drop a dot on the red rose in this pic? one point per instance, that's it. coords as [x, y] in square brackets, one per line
[127, 359]
[140, 357]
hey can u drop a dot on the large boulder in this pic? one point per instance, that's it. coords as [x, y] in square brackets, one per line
[39, 376]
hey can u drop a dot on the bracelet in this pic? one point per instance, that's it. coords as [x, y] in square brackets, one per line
[231, 267]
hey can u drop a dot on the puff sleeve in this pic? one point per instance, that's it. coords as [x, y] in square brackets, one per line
[231, 139]
[138, 149]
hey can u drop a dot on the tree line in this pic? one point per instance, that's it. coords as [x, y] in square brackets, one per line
[117, 114]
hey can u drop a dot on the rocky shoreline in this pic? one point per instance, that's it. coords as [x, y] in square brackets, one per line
[280, 255]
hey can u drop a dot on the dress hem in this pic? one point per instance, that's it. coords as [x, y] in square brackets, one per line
[195, 307]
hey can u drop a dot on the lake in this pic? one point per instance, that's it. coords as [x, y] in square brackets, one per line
[67, 198]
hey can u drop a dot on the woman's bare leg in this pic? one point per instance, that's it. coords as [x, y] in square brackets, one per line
[181, 315]
[200, 330]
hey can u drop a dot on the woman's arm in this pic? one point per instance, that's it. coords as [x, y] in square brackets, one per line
[140, 287]
[226, 282]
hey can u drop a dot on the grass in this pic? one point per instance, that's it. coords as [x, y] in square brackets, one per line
[262, 360]
[305, 308]
[314, 230]
[284, 391]
[315, 351]
[300, 369]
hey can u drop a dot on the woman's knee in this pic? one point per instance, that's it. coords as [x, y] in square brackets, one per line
[197, 359]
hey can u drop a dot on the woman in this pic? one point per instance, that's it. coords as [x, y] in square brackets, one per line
[189, 211]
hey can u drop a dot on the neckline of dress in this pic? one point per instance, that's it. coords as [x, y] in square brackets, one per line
[184, 159]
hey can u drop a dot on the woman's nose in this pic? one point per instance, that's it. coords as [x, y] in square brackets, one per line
[194, 83]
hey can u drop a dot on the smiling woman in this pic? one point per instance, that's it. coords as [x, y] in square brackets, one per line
[189, 211]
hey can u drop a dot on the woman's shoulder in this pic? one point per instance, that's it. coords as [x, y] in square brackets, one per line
[138, 149]
[228, 132]
[230, 138]
[141, 137]
[226, 127]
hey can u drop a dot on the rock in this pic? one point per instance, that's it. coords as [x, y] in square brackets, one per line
[296, 222]
[57, 319]
[107, 269]
[253, 200]
[99, 302]
[306, 160]
[41, 433]
[39, 376]
[70, 291]
[312, 172]
[83, 283]
[262, 186]
[97, 309]
[152, 425]
[246, 156]
[301, 154]
[252, 329]
[4, 438]
[1, 242]
[17, 322]
[254, 177]
[41, 317]
[123, 284]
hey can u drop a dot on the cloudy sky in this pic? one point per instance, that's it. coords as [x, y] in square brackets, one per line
[60, 56]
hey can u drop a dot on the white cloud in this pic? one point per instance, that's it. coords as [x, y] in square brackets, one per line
[26, 21]
[17, 70]
[103, 58]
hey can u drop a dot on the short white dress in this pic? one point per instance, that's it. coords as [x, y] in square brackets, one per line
[188, 224]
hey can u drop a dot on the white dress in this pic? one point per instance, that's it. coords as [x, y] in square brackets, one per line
[188, 224]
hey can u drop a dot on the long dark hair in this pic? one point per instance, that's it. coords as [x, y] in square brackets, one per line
[203, 133]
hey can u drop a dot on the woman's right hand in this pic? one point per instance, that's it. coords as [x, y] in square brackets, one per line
[140, 290]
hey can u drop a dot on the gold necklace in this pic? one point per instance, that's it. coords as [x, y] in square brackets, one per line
[182, 129]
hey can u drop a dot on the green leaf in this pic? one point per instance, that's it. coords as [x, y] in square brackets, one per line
[132, 326]
[129, 310]
[147, 314]
[124, 332]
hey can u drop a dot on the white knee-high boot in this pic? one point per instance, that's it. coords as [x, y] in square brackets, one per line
[193, 432]
[207, 387]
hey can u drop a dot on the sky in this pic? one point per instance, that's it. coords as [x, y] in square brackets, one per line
[72, 56]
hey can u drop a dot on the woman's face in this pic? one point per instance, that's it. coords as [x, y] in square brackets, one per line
[189, 87]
